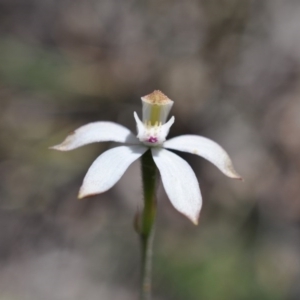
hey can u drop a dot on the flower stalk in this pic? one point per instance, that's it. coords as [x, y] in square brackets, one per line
[146, 230]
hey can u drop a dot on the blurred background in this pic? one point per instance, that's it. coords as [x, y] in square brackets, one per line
[232, 68]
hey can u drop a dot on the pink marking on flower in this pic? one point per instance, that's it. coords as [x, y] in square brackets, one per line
[152, 139]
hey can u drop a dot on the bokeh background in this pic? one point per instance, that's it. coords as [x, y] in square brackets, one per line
[232, 68]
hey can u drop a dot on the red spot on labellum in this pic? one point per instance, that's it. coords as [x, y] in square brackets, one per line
[152, 139]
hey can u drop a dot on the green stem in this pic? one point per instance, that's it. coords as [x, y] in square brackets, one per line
[146, 231]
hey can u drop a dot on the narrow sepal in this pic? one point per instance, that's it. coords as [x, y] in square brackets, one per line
[180, 183]
[206, 148]
[97, 132]
[108, 168]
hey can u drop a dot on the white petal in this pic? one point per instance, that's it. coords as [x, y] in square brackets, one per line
[97, 132]
[108, 168]
[166, 127]
[206, 148]
[139, 124]
[180, 183]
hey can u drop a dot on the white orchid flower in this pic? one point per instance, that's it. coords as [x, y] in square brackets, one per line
[179, 180]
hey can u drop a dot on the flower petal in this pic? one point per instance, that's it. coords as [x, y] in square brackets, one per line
[206, 148]
[97, 132]
[108, 168]
[180, 183]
